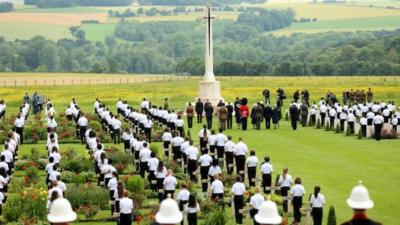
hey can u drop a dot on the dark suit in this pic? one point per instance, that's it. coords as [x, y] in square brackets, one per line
[199, 110]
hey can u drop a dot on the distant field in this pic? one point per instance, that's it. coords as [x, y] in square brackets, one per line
[354, 24]
[26, 30]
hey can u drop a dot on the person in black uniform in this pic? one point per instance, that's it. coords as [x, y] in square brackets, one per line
[237, 105]
[230, 115]
[199, 111]
[209, 110]
[294, 115]
[359, 201]
[267, 116]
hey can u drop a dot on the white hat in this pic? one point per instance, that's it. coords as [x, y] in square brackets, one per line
[169, 212]
[359, 198]
[268, 213]
[61, 211]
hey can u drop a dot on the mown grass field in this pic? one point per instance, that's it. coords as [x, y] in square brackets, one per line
[333, 161]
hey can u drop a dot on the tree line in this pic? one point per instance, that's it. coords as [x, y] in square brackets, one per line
[196, 2]
[6, 7]
[70, 3]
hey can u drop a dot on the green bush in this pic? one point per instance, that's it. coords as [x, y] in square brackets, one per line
[155, 148]
[135, 184]
[216, 217]
[67, 176]
[87, 194]
[17, 185]
[332, 216]
[12, 210]
[77, 165]
[95, 125]
[32, 173]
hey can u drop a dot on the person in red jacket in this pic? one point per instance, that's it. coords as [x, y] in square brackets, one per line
[244, 113]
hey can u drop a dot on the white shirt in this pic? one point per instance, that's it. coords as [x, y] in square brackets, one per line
[144, 155]
[252, 161]
[240, 148]
[53, 175]
[201, 133]
[83, 122]
[61, 185]
[322, 108]
[363, 121]
[212, 139]
[112, 184]
[317, 202]
[183, 195]
[116, 124]
[221, 139]
[177, 141]
[394, 121]
[266, 168]
[214, 170]
[126, 205]
[192, 153]
[217, 187]
[127, 136]
[205, 160]
[166, 136]
[179, 123]
[169, 183]
[298, 190]
[51, 123]
[193, 209]
[229, 146]
[161, 174]
[287, 182]
[153, 164]
[56, 156]
[350, 117]
[20, 122]
[378, 119]
[238, 188]
[257, 200]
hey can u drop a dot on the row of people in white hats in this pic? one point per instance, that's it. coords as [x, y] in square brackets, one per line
[169, 213]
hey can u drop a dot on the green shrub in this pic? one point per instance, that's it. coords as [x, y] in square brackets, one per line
[67, 176]
[12, 210]
[95, 125]
[87, 194]
[32, 173]
[332, 216]
[120, 157]
[17, 185]
[155, 148]
[77, 165]
[89, 211]
[216, 217]
[135, 184]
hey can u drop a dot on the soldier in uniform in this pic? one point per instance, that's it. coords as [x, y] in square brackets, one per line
[294, 115]
[166, 103]
[258, 115]
[369, 95]
[266, 94]
[359, 201]
[304, 114]
[230, 109]
[237, 105]
[267, 116]
[190, 115]
[222, 113]
[296, 96]
[199, 110]
[209, 110]
[351, 97]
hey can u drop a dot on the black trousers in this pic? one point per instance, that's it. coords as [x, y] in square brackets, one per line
[203, 143]
[251, 171]
[294, 123]
[284, 193]
[313, 118]
[190, 121]
[125, 219]
[217, 197]
[351, 125]
[238, 203]
[147, 132]
[267, 122]
[176, 151]
[20, 131]
[126, 144]
[253, 212]
[209, 122]
[317, 214]
[266, 182]
[378, 132]
[323, 119]
[116, 136]
[192, 218]
[297, 203]
[342, 125]
[212, 150]
[332, 122]
[244, 123]
[230, 121]
[192, 167]
[160, 185]
[229, 162]
[199, 117]
[394, 128]
[181, 131]
[204, 176]
[220, 152]
[240, 163]
[82, 131]
[166, 148]
[143, 168]
[364, 130]
[152, 178]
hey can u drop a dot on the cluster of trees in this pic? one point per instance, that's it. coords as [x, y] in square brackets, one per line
[266, 20]
[70, 3]
[6, 7]
[361, 53]
[196, 2]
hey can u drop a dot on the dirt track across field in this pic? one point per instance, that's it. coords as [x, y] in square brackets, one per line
[52, 18]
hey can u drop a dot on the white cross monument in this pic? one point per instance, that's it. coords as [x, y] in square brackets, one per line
[210, 89]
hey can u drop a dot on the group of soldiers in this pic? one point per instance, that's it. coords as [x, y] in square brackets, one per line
[37, 101]
[354, 97]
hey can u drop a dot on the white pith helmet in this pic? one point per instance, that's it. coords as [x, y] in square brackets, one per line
[61, 211]
[169, 212]
[268, 213]
[359, 198]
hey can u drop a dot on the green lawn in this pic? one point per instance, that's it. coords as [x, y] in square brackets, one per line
[98, 32]
[333, 161]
